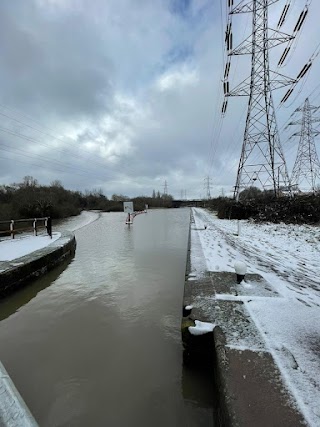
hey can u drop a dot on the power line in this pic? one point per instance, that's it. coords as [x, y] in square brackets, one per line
[93, 160]
[58, 166]
[50, 136]
[296, 31]
[55, 149]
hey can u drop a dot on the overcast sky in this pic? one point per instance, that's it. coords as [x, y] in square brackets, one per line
[125, 95]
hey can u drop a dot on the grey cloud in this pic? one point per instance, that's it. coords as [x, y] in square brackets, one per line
[71, 63]
[52, 62]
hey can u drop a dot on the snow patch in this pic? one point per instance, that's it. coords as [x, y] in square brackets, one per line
[201, 328]
[24, 245]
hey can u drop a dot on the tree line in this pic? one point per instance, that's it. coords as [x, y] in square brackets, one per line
[261, 206]
[29, 199]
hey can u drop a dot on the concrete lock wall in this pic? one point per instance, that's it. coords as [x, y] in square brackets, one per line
[248, 384]
[13, 410]
[17, 273]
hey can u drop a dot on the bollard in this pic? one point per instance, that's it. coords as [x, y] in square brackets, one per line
[48, 225]
[12, 228]
[241, 270]
[239, 227]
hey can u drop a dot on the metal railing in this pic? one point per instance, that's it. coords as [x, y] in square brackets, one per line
[36, 225]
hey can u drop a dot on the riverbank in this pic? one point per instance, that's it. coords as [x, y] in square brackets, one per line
[266, 329]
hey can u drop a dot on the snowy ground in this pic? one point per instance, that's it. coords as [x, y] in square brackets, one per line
[25, 244]
[288, 257]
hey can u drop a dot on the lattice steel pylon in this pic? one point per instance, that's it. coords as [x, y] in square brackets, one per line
[207, 181]
[307, 166]
[165, 188]
[262, 161]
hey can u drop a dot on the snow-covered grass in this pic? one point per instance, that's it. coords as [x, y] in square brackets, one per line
[288, 257]
[23, 245]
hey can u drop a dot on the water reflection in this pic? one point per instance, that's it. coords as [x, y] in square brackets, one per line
[11, 303]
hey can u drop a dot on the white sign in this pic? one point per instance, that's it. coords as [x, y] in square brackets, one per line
[128, 207]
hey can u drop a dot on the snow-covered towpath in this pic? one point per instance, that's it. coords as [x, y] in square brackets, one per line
[287, 251]
[288, 257]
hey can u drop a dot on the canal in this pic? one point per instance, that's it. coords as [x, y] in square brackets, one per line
[97, 341]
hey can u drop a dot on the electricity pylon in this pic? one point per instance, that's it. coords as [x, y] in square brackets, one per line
[165, 188]
[262, 161]
[307, 166]
[207, 182]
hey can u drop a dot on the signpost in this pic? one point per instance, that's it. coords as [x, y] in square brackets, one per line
[128, 208]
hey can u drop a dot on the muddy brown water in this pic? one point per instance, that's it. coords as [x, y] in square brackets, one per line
[97, 341]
